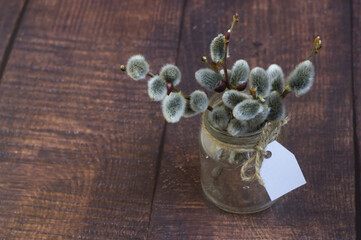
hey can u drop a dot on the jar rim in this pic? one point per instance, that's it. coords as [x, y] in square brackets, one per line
[222, 135]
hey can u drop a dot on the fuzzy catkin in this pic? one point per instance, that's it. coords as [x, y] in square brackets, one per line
[217, 48]
[208, 78]
[170, 73]
[199, 101]
[157, 88]
[137, 67]
[236, 128]
[247, 109]
[301, 79]
[219, 117]
[173, 107]
[240, 72]
[255, 123]
[188, 111]
[258, 79]
[276, 105]
[276, 76]
[232, 97]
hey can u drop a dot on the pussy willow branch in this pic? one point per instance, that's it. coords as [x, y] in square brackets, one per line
[316, 48]
[223, 62]
[174, 89]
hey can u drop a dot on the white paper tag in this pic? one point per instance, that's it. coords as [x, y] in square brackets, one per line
[281, 172]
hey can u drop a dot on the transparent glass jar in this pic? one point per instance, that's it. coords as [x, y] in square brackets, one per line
[221, 166]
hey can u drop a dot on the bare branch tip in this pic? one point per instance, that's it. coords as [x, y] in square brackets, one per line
[236, 17]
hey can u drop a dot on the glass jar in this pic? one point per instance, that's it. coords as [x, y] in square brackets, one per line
[221, 166]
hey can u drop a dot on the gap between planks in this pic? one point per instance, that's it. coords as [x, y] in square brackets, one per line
[161, 146]
[355, 137]
[12, 38]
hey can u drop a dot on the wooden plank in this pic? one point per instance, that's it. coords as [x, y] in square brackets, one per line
[9, 18]
[79, 140]
[320, 132]
[356, 74]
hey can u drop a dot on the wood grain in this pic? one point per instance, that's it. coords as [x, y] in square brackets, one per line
[356, 68]
[9, 18]
[320, 132]
[79, 140]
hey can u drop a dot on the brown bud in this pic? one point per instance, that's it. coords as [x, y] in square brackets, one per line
[317, 44]
[242, 86]
[228, 35]
[221, 86]
[252, 91]
[214, 65]
[317, 39]
[169, 87]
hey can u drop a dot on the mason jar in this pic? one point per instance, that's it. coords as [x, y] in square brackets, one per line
[221, 163]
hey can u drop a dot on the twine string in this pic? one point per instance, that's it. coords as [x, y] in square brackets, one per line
[269, 133]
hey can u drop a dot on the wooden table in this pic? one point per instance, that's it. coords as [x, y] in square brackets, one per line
[85, 154]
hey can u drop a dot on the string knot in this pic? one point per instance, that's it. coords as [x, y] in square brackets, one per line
[260, 150]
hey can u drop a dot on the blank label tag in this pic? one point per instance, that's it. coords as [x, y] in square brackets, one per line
[280, 173]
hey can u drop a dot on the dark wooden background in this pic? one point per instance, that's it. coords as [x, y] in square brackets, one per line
[85, 154]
